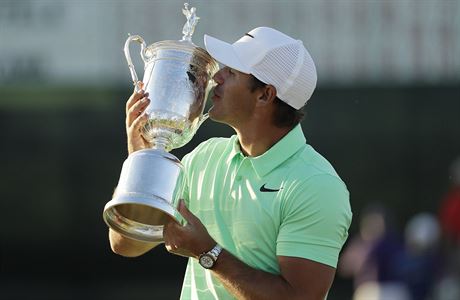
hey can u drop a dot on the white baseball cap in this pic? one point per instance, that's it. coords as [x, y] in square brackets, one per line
[272, 57]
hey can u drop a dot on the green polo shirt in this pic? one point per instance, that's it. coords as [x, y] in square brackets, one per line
[288, 201]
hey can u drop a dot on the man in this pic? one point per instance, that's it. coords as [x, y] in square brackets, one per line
[266, 214]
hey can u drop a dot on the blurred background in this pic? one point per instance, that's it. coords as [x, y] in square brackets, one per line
[386, 113]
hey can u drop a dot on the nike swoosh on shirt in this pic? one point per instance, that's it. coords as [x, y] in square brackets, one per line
[264, 189]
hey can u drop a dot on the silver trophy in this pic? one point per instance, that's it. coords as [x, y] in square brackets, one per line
[178, 77]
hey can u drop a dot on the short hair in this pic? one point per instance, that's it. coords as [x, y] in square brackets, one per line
[285, 115]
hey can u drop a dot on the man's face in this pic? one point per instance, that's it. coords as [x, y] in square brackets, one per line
[233, 101]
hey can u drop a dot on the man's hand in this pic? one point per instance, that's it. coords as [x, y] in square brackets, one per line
[189, 240]
[136, 119]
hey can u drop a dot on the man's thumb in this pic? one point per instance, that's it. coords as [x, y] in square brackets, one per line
[186, 213]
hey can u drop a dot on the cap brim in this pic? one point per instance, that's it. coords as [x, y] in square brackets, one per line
[224, 53]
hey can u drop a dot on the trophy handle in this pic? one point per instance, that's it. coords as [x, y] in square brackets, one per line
[140, 40]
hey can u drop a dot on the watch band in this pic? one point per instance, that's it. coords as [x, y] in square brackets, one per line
[214, 252]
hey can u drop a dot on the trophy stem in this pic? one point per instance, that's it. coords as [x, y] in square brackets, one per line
[161, 143]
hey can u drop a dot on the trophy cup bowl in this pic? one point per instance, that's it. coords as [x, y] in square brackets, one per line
[178, 77]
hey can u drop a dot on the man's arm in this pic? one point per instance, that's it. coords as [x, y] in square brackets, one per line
[135, 120]
[299, 279]
[128, 247]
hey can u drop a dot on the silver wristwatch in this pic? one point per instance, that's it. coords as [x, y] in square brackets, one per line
[208, 259]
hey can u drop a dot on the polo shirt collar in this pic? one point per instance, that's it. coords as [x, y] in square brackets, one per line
[274, 156]
[236, 149]
[278, 153]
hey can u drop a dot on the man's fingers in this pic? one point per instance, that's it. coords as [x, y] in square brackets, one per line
[182, 252]
[138, 123]
[171, 232]
[136, 110]
[134, 98]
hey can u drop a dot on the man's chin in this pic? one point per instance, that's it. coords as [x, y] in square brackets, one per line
[214, 116]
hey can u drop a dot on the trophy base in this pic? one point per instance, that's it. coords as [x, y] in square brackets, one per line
[149, 186]
[143, 222]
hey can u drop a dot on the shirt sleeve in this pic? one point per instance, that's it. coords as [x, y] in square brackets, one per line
[316, 216]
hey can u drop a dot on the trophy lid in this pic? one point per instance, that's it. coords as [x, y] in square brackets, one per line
[180, 50]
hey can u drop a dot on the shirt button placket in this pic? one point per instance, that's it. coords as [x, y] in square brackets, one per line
[240, 170]
[238, 160]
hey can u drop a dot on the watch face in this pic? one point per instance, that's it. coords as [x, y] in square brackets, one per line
[206, 261]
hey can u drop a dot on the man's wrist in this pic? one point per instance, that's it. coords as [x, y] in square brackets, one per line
[208, 259]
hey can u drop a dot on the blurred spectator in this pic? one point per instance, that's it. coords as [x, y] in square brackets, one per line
[374, 254]
[384, 267]
[449, 214]
[420, 266]
[448, 288]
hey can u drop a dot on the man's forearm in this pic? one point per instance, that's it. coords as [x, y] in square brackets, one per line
[128, 247]
[245, 282]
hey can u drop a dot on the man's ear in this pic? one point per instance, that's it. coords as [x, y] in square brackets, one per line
[267, 95]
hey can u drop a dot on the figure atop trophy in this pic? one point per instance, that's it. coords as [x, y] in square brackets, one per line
[192, 20]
